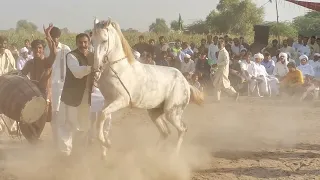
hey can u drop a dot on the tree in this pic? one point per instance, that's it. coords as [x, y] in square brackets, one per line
[24, 25]
[282, 29]
[309, 24]
[159, 26]
[198, 27]
[174, 25]
[65, 31]
[235, 16]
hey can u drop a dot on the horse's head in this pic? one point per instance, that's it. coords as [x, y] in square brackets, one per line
[109, 43]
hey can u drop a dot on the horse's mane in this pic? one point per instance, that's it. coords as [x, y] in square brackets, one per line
[125, 45]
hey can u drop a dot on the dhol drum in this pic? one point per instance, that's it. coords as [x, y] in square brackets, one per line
[20, 98]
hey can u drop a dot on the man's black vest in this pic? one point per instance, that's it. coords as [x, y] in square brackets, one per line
[73, 88]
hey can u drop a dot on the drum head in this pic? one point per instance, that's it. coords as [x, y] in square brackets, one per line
[33, 110]
[33, 131]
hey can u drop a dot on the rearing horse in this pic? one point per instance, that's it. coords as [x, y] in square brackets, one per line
[124, 81]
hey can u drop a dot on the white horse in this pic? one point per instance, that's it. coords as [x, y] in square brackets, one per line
[124, 81]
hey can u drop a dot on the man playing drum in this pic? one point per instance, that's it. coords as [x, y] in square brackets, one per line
[74, 110]
[39, 69]
[57, 77]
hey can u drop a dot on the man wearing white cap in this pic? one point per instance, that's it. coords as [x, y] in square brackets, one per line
[305, 67]
[187, 65]
[221, 76]
[23, 58]
[281, 69]
[259, 78]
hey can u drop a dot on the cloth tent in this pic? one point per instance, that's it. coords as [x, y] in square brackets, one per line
[310, 5]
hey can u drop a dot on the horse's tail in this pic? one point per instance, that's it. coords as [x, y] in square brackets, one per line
[196, 96]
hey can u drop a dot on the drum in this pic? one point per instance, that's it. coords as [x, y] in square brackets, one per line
[20, 99]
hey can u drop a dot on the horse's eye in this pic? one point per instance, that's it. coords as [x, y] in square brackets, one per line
[104, 41]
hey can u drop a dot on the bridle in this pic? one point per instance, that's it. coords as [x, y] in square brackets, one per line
[107, 63]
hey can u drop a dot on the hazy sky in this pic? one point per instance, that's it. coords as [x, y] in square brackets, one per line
[77, 15]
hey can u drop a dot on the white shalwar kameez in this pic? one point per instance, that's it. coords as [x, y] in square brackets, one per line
[73, 122]
[221, 76]
[261, 79]
[57, 81]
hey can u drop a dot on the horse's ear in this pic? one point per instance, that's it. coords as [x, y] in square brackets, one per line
[107, 23]
[95, 22]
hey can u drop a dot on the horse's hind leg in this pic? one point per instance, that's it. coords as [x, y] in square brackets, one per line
[158, 117]
[175, 118]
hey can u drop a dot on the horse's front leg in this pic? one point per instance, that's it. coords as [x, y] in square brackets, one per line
[108, 109]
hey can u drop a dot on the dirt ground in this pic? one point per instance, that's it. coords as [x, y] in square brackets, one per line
[251, 139]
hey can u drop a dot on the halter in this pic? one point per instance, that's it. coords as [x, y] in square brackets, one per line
[107, 62]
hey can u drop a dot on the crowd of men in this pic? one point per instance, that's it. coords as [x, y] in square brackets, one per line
[65, 77]
[292, 67]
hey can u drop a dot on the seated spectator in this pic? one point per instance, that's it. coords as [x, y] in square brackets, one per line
[276, 57]
[281, 69]
[203, 66]
[186, 50]
[268, 63]
[293, 82]
[260, 79]
[195, 81]
[243, 52]
[149, 60]
[305, 67]
[163, 61]
[187, 65]
[245, 63]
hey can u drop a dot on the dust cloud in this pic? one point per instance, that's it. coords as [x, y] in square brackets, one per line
[211, 129]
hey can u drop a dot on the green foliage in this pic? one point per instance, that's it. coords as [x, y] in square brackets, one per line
[309, 24]
[235, 17]
[159, 26]
[174, 25]
[283, 29]
[24, 25]
[198, 27]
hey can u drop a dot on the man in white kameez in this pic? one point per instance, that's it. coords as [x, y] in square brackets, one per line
[57, 77]
[221, 75]
[281, 69]
[74, 111]
[7, 64]
[187, 65]
[259, 78]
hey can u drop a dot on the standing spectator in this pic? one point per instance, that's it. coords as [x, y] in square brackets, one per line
[23, 58]
[7, 61]
[236, 47]
[243, 43]
[314, 47]
[304, 49]
[220, 77]
[141, 45]
[162, 46]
